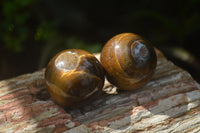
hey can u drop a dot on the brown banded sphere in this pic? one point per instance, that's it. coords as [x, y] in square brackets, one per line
[129, 61]
[73, 76]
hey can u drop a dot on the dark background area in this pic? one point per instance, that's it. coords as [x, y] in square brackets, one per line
[32, 31]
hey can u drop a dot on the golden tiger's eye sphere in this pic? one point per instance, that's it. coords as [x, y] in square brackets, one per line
[73, 76]
[129, 61]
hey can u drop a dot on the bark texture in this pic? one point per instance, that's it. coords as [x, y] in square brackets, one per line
[170, 102]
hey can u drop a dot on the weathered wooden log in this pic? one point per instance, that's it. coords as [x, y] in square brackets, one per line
[170, 102]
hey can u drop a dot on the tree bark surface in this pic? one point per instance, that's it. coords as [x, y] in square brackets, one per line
[170, 102]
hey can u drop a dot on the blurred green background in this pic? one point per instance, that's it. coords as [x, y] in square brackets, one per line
[32, 31]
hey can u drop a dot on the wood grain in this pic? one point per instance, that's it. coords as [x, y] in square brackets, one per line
[170, 102]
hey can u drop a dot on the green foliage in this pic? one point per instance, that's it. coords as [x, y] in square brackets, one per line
[18, 31]
[172, 25]
[14, 25]
[28, 23]
[182, 23]
[74, 42]
[45, 32]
